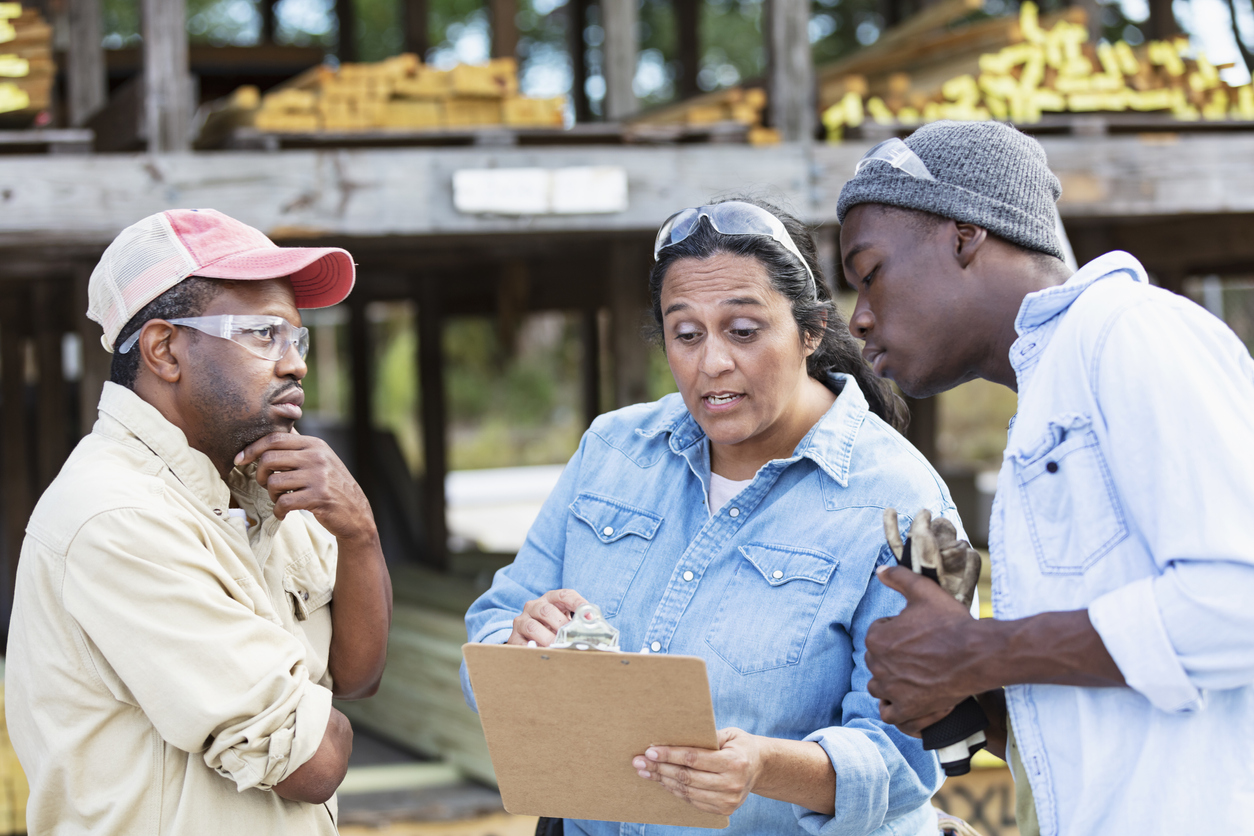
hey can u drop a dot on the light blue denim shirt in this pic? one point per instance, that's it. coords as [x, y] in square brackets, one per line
[775, 591]
[1128, 489]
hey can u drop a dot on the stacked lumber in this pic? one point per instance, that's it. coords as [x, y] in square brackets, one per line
[740, 105]
[419, 703]
[26, 66]
[402, 93]
[1043, 66]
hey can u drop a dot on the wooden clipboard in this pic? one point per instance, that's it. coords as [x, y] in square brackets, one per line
[563, 725]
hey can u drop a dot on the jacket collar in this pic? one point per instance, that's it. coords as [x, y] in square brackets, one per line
[829, 443]
[1039, 312]
[124, 415]
[1043, 305]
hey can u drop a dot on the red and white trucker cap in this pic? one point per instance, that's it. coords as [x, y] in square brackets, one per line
[152, 256]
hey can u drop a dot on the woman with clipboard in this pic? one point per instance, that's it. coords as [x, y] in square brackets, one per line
[740, 520]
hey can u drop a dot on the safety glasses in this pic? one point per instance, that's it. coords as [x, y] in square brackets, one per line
[269, 337]
[897, 154]
[730, 218]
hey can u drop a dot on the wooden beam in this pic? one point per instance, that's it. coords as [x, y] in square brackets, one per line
[416, 20]
[619, 18]
[52, 433]
[503, 14]
[346, 18]
[434, 420]
[86, 85]
[96, 361]
[628, 280]
[688, 22]
[269, 20]
[361, 412]
[590, 364]
[1162, 23]
[924, 427]
[15, 478]
[168, 102]
[790, 68]
[577, 25]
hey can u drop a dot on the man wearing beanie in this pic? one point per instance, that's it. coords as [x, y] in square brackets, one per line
[1123, 564]
[199, 579]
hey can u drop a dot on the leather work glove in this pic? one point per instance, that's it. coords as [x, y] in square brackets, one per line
[934, 544]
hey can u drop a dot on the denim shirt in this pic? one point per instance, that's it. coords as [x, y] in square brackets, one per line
[1127, 488]
[775, 591]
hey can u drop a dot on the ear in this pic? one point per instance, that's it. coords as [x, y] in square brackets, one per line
[968, 240]
[812, 343]
[156, 352]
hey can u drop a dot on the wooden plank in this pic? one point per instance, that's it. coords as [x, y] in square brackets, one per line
[397, 776]
[85, 68]
[622, 38]
[372, 193]
[434, 419]
[790, 69]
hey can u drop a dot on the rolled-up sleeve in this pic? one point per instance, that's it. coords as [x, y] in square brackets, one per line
[1180, 423]
[881, 773]
[211, 675]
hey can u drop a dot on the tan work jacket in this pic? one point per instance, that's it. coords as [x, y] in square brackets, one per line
[167, 664]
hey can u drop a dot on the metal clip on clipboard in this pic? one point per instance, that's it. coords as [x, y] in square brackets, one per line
[587, 630]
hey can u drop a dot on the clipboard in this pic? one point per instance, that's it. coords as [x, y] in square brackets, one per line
[563, 725]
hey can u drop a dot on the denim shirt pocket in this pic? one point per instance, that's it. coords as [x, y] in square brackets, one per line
[769, 606]
[606, 541]
[1073, 513]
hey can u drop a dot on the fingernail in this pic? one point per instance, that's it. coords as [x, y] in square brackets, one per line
[651, 754]
[639, 763]
[643, 774]
[880, 571]
[239, 457]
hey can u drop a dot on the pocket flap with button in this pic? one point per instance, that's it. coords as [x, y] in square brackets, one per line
[781, 564]
[308, 586]
[611, 520]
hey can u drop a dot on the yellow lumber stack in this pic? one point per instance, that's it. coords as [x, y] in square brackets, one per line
[745, 106]
[26, 66]
[402, 93]
[1046, 69]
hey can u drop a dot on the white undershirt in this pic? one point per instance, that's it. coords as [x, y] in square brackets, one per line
[721, 490]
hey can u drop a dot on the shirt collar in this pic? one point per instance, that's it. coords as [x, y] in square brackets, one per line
[829, 443]
[124, 413]
[1043, 305]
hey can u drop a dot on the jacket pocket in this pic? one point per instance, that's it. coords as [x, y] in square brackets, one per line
[1073, 513]
[606, 541]
[769, 606]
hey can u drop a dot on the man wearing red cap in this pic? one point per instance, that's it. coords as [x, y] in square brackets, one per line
[200, 579]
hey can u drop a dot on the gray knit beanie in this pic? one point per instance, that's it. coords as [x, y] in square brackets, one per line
[987, 174]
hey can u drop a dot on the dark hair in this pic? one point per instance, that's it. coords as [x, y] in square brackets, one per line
[189, 297]
[817, 318]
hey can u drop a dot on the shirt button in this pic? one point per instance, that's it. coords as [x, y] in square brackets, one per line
[688, 576]
[608, 531]
[735, 512]
[777, 574]
[655, 647]
[1052, 467]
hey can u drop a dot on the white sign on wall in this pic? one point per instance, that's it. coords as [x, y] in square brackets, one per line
[583, 190]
